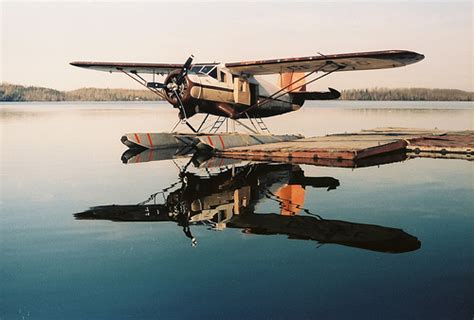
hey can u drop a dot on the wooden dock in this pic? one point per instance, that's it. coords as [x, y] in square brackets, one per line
[365, 148]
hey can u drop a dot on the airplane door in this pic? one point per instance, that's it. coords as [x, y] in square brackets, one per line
[241, 91]
[254, 93]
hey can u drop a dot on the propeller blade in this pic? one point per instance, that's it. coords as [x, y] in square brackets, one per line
[184, 72]
[188, 62]
[183, 112]
[156, 85]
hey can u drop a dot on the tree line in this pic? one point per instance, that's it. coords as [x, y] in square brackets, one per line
[407, 94]
[11, 92]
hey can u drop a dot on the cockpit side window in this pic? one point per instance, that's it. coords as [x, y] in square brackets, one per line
[223, 77]
[213, 73]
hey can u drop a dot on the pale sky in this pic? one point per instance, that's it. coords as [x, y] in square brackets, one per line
[39, 39]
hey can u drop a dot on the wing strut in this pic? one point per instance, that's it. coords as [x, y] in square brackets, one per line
[143, 82]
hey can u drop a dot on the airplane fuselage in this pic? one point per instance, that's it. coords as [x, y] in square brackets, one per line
[221, 93]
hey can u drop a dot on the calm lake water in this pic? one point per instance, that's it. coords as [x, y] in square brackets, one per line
[393, 242]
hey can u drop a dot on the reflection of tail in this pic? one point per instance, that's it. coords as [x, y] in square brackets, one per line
[292, 199]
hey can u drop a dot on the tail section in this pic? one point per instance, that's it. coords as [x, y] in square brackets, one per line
[288, 77]
[298, 91]
[300, 97]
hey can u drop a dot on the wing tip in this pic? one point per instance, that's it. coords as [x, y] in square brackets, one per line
[413, 57]
[80, 64]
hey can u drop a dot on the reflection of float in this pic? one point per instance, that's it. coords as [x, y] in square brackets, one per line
[228, 198]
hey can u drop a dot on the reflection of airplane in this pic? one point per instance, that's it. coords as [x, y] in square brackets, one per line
[234, 90]
[229, 199]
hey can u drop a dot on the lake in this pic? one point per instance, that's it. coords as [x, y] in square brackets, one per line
[288, 241]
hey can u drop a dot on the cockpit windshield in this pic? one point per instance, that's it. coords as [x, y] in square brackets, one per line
[206, 69]
[210, 70]
[195, 69]
[203, 69]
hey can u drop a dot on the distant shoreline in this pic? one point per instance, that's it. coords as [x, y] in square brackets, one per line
[18, 93]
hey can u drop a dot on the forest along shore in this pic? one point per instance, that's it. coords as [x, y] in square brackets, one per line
[12, 93]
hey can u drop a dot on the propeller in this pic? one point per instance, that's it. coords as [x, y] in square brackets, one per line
[177, 90]
[175, 79]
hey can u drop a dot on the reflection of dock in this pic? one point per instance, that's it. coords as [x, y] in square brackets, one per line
[358, 149]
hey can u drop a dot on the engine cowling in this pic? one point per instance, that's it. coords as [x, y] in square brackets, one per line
[183, 90]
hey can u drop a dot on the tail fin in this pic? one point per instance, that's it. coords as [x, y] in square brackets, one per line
[288, 77]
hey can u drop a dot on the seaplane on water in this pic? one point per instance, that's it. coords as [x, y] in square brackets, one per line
[240, 91]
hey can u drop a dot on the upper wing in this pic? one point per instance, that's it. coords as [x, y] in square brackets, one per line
[152, 68]
[327, 63]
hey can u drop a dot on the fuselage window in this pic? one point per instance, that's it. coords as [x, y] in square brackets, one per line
[223, 77]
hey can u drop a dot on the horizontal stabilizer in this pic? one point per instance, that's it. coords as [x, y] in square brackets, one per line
[302, 96]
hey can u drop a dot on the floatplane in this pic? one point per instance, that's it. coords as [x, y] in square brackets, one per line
[239, 92]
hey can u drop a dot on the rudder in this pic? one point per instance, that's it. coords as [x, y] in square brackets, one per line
[288, 77]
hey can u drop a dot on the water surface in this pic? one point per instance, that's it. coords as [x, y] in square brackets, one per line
[393, 241]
